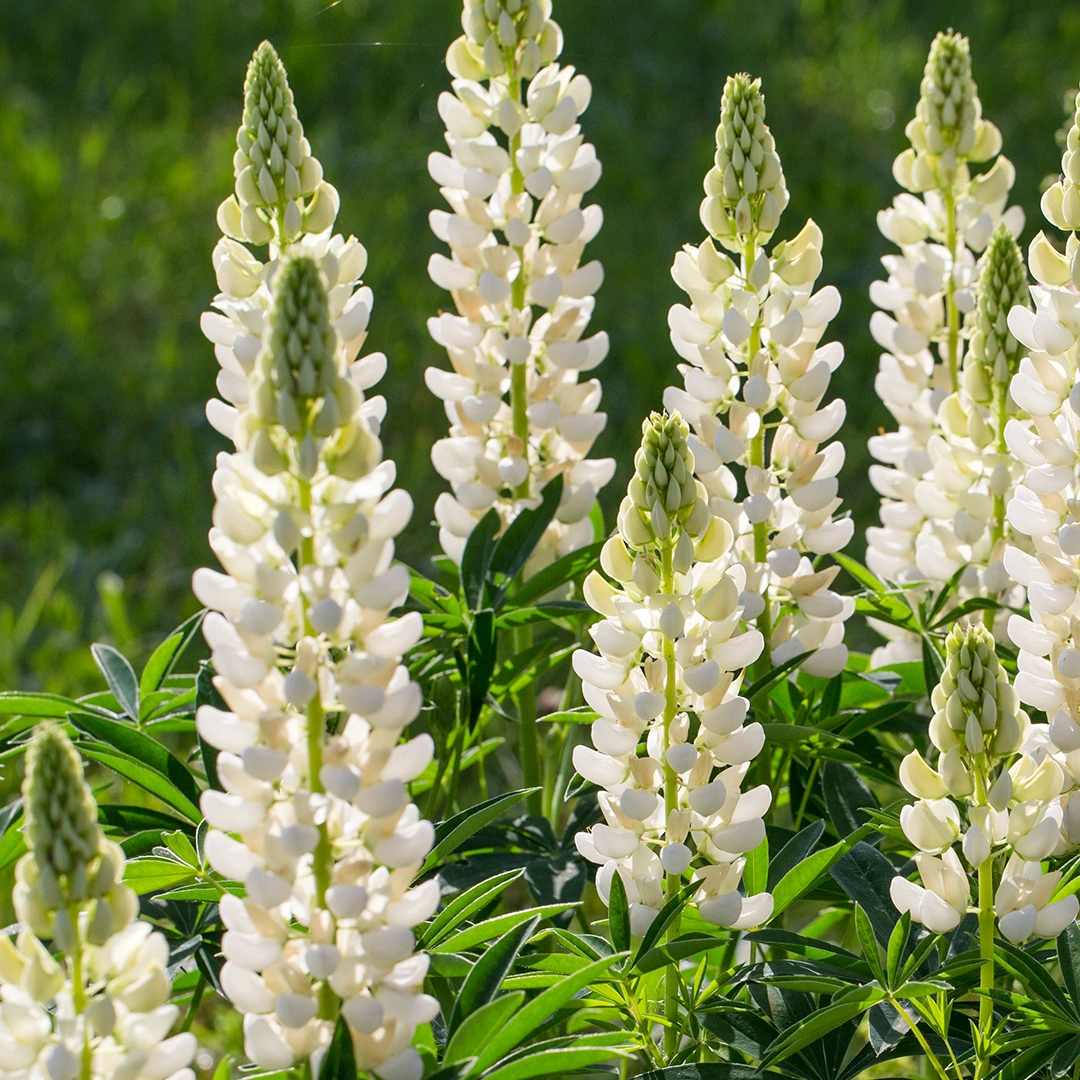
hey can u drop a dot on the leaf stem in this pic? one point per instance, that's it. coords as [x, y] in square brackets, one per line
[931, 1057]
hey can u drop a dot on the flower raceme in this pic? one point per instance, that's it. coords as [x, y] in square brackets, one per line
[670, 658]
[312, 769]
[945, 475]
[97, 1003]
[1046, 505]
[514, 179]
[754, 379]
[1013, 809]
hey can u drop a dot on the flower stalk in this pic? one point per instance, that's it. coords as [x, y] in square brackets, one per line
[315, 816]
[753, 384]
[671, 658]
[942, 477]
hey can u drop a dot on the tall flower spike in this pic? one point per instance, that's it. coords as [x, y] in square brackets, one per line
[944, 473]
[999, 810]
[514, 179]
[100, 1006]
[671, 660]
[315, 817]
[1046, 506]
[754, 381]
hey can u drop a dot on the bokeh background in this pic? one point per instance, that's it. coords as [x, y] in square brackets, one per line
[117, 121]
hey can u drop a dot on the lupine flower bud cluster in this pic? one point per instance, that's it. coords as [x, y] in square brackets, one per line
[1046, 506]
[96, 1002]
[515, 176]
[944, 472]
[754, 380]
[315, 818]
[280, 191]
[976, 796]
[237, 326]
[669, 670]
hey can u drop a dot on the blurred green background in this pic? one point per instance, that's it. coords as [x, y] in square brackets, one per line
[117, 121]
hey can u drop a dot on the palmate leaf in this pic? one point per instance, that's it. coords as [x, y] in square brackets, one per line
[475, 1029]
[847, 798]
[483, 982]
[559, 1057]
[19, 703]
[465, 905]
[142, 760]
[480, 661]
[756, 873]
[452, 833]
[712, 1070]
[680, 949]
[532, 1015]
[821, 1022]
[556, 575]
[481, 932]
[1068, 951]
[865, 875]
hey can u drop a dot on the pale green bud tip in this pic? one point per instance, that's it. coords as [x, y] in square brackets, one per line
[663, 488]
[1002, 286]
[948, 106]
[744, 190]
[273, 163]
[974, 694]
[61, 817]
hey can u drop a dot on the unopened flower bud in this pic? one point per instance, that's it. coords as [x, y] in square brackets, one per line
[61, 817]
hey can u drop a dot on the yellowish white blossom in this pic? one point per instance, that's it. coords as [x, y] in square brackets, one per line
[514, 179]
[671, 657]
[754, 380]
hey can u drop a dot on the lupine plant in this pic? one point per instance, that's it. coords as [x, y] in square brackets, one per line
[576, 797]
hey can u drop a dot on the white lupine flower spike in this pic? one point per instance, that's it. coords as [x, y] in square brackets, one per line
[94, 1004]
[315, 818]
[754, 380]
[945, 473]
[515, 177]
[994, 790]
[671, 658]
[1045, 506]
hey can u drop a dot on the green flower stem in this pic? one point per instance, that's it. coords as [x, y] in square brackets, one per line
[952, 311]
[757, 457]
[78, 992]
[997, 531]
[323, 856]
[672, 882]
[986, 942]
[529, 735]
